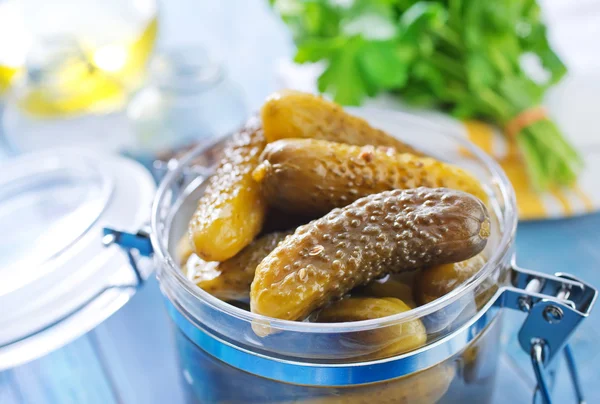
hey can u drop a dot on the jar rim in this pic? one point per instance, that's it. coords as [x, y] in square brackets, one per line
[508, 223]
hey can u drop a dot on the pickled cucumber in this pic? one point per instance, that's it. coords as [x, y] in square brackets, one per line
[390, 287]
[231, 279]
[391, 340]
[293, 114]
[425, 387]
[435, 282]
[479, 359]
[278, 220]
[183, 250]
[486, 290]
[314, 176]
[392, 231]
[232, 210]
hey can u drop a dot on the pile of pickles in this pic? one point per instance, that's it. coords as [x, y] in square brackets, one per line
[314, 215]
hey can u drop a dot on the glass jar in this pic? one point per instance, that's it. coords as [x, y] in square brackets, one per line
[188, 98]
[323, 363]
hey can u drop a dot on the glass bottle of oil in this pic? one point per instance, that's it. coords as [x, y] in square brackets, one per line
[91, 54]
[71, 67]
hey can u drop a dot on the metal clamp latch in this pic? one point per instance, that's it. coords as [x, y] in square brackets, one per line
[139, 241]
[555, 305]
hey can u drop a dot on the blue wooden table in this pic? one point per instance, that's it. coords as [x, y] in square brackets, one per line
[131, 357]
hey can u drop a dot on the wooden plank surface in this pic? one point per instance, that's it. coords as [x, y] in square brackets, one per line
[71, 375]
[131, 357]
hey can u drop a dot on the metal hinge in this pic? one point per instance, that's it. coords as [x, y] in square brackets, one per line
[556, 305]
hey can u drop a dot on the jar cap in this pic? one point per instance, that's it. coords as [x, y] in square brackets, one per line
[57, 280]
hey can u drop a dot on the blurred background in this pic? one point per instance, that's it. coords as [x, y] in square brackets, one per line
[146, 79]
[67, 79]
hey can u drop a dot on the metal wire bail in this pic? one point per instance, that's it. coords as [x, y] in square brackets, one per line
[542, 389]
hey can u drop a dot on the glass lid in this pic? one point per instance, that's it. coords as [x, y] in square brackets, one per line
[54, 206]
[46, 205]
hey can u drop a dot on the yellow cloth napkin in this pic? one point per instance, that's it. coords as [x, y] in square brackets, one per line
[557, 202]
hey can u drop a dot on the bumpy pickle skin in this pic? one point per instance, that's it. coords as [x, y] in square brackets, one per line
[435, 282]
[232, 210]
[293, 114]
[392, 231]
[231, 279]
[314, 176]
[391, 340]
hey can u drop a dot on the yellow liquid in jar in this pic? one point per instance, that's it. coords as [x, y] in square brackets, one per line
[6, 75]
[97, 82]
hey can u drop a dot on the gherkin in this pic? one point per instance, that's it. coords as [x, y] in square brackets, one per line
[231, 212]
[293, 114]
[392, 231]
[390, 287]
[231, 279]
[435, 282]
[388, 341]
[425, 387]
[314, 176]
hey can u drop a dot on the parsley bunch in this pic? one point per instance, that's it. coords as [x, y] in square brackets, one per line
[461, 56]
